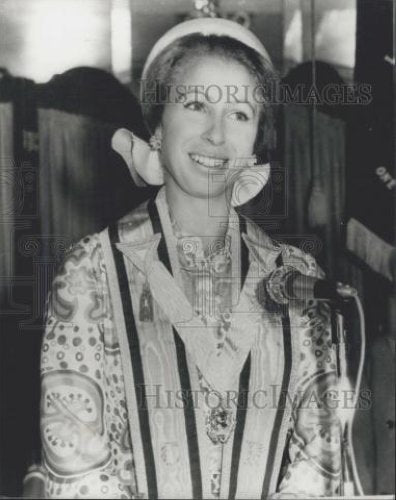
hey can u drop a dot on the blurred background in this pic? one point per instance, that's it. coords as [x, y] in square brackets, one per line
[69, 77]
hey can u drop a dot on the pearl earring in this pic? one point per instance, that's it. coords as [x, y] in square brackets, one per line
[153, 167]
[155, 143]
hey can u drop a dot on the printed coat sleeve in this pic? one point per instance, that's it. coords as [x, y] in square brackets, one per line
[313, 455]
[75, 436]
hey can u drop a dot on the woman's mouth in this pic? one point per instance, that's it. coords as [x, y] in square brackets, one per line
[208, 161]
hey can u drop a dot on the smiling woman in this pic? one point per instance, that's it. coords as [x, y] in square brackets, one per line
[210, 111]
[165, 373]
[200, 134]
[166, 77]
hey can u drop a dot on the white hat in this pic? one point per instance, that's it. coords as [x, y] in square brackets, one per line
[206, 27]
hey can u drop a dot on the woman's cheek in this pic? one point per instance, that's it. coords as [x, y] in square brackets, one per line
[183, 129]
[242, 138]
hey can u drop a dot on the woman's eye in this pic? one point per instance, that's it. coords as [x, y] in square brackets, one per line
[240, 116]
[194, 106]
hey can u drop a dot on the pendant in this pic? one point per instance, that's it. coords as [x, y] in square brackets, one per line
[219, 423]
[146, 304]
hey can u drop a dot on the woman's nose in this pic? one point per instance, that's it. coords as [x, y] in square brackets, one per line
[214, 132]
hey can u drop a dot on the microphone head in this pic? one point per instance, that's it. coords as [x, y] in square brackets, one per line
[286, 284]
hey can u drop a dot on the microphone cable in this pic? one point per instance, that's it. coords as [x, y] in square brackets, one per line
[359, 376]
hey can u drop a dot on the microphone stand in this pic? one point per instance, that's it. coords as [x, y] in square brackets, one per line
[346, 482]
[286, 283]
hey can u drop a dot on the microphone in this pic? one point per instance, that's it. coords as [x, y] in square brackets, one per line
[286, 283]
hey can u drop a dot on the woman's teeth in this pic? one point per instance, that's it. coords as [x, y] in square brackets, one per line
[207, 161]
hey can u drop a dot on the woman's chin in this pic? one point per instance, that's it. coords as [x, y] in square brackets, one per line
[205, 193]
[196, 186]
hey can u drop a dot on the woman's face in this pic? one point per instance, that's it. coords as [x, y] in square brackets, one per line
[211, 128]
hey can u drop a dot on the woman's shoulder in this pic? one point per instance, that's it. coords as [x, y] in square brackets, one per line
[82, 253]
[78, 279]
[89, 248]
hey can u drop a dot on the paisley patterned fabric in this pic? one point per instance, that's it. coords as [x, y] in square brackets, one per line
[87, 449]
[86, 445]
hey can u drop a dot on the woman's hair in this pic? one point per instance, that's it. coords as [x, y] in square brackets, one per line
[162, 74]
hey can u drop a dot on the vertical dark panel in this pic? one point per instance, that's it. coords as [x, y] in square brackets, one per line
[371, 198]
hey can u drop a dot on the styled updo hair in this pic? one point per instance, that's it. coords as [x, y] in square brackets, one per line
[162, 75]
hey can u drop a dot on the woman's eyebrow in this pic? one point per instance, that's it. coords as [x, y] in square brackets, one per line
[195, 89]
[251, 106]
[182, 92]
[199, 90]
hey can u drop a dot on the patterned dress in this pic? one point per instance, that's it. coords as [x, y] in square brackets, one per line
[92, 445]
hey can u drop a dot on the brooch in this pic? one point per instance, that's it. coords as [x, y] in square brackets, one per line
[219, 423]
